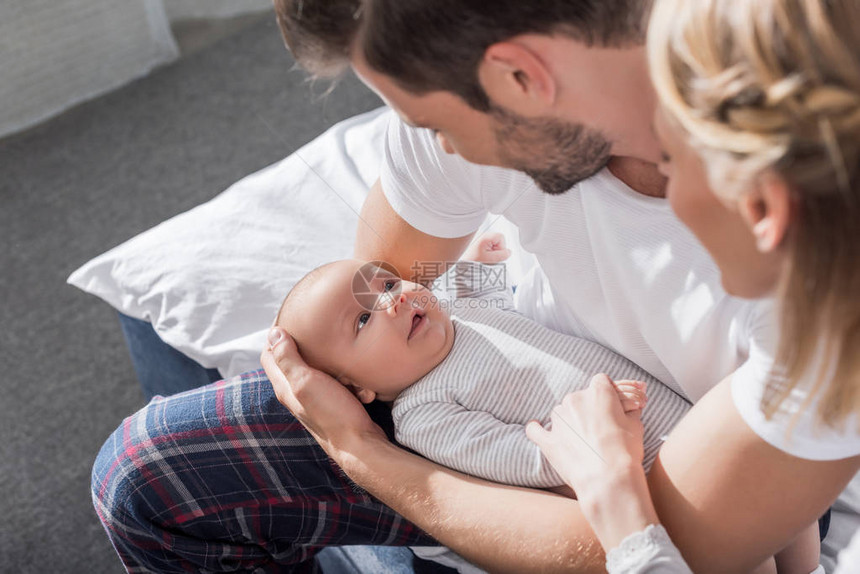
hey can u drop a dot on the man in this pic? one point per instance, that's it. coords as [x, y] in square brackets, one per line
[557, 90]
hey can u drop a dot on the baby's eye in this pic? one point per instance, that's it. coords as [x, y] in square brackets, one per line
[362, 320]
[390, 284]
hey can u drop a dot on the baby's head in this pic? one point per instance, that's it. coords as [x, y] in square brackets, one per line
[378, 342]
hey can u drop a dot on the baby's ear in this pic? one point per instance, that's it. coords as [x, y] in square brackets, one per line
[364, 395]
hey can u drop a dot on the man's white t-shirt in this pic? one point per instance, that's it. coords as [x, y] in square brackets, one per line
[615, 267]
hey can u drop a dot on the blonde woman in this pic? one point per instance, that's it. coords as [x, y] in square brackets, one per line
[759, 119]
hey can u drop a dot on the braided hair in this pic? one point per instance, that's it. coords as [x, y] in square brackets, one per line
[773, 86]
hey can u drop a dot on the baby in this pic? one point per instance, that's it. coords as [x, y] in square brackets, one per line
[464, 375]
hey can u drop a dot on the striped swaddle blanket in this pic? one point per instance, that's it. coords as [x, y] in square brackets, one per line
[503, 371]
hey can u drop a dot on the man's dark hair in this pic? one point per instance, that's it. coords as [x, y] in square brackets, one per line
[429, 45]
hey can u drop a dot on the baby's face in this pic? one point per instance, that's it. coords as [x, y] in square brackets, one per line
[383, 341]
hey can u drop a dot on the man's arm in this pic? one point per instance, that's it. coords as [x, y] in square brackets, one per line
[385, 236]
[500, 528]
[728, 498]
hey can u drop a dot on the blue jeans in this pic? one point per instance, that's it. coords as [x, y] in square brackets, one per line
[162, 370]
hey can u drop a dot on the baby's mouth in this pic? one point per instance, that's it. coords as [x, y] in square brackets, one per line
[417, 320]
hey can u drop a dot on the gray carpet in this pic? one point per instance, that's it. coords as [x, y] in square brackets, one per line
[78, 185]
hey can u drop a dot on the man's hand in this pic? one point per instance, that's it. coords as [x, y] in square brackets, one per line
[329, 411]
[488, 248]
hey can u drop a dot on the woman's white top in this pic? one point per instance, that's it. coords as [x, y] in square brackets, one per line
[650, 551]
[646, 552]
[794, 428]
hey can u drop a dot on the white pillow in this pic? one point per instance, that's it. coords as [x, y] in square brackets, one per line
[211, 279]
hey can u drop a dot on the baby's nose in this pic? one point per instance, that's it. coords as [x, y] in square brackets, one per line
[395, 301]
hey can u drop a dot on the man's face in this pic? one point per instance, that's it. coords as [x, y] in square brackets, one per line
[554, 153]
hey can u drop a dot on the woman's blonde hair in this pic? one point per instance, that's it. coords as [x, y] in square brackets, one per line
[774, 86]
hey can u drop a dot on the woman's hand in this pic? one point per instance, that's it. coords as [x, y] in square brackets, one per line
[326, 408]
[591, 432]
[488, 248]
[597, 449]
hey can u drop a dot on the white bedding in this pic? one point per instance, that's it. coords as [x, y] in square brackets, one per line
[210, 280]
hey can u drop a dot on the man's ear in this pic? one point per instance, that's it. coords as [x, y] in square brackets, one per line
[767, 209]
[364, 395]
[517, 79]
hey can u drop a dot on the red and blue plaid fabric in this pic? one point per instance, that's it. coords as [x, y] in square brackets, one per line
[224, 479]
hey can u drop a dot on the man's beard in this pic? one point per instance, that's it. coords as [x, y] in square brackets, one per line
[555, 154]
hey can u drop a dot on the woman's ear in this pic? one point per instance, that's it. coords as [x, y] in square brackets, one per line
[364, 395]
[767, 210]
[516, 78]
